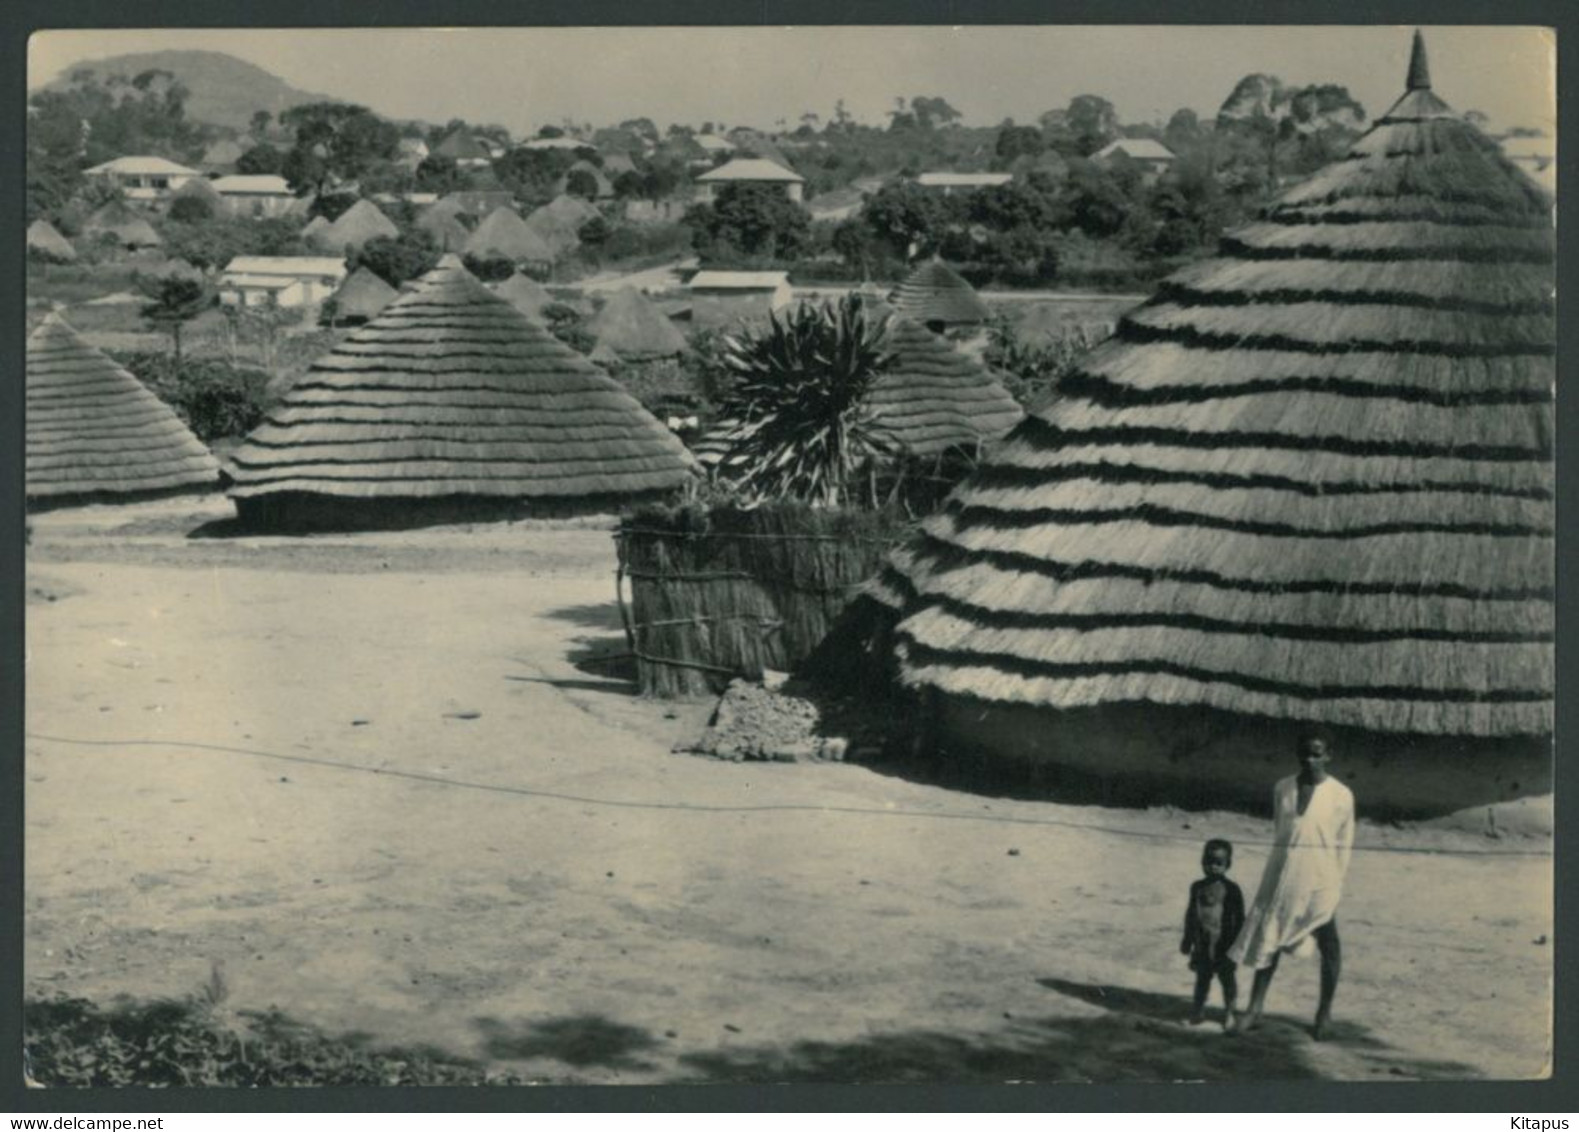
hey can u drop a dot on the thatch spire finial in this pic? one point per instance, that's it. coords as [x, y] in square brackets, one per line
[1419, 68]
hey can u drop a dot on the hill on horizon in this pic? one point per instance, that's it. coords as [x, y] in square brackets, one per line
[225, 91]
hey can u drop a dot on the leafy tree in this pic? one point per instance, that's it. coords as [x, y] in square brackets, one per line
[550, 132]
[581, 183]
[749, 220]
[214, 243]
[595, 233]
[1299, 129]
[932, 112]
[396, 259]
[642, 127]
[565, 323]
[335, 142]
[799, 393]
[1098, 200]
[261, 158]
[437, 174]
[490, 269]
[628, 185]
[260, 123]
[175, 302]
[191, 209]
[906, 217]
[1183, 131]
[531, 174]
[331, 205]
[1092, 122]
[1018, 141]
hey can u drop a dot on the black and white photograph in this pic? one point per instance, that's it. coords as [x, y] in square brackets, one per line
[743, 555]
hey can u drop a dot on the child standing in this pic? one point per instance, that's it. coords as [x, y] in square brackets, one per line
[1211, 924]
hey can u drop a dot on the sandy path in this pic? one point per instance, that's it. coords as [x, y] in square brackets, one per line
[572, 939]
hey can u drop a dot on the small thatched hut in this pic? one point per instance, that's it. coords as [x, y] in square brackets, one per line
[631, 327]
[362, 297]
[313, 230]
[1309, 484]
[362, 222]
[129, 227]
[452, 404]
[935, 397]
[442, 222]
[95, 434]
[525, 294]
[572, 210]
[44, 239]
[504, 234]
[935, 296]
[557, 233]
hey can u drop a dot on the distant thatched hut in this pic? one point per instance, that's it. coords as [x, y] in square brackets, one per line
[935, 296]
[313, 230]
[442, 222]
[559, 234]
[362, 297]
[45, 240]
[635, 330]
[452, 404]
[525, 294]
[503, 234]
[95, 434]
[572, 210]
[1309, 484]
[128, 226]
[362, 222]
[935, 397]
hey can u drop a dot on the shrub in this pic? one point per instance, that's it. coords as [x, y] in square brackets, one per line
[214, 398]
[189, 210]
[489, 269]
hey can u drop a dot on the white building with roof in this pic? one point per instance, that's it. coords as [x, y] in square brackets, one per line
[1152, 156]
[557, 143]
[751, 170]
[144, 178]
[280, 280]
[258, 195]
[725, 299]
[948, 183]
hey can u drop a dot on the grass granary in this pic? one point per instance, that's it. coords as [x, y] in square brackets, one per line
[96, 434]
[503, 234]
[630, 328]
[442, 222]
[525, 294]
[1308, 485]
[559, 234]
[936, 296]
[362, 222]
[44, 239]
[128, 226]
[451, 404]
[362, 297]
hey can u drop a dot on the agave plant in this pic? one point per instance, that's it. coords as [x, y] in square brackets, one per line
[799, 423]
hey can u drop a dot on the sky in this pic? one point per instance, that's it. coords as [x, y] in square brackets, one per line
[526, 77]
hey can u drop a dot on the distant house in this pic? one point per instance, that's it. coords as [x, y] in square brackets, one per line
[724, 299]
[280, 280]
[144, 178]
[1153, 157]
[1537, 156]
[464, 149]
[557, 143]
[714, 145]
[949, 183]
[751, 170]
[258, 195]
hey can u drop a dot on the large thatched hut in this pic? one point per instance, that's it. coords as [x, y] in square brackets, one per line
[128, 226]
[452, 404]
[96, 434]
[44, 239]
[1308, 485]
[634, 330]
[936, 296]
[362, 297]
[504, 235]
[362, 222]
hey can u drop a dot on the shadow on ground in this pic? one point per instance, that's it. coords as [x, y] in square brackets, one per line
[584, 1041]
[592, 615]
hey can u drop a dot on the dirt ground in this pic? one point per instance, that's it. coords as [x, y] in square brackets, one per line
[391, 785]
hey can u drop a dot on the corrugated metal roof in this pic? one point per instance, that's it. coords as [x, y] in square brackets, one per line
[739, 280]
[144, 166]
[751, 169]
[295, 265]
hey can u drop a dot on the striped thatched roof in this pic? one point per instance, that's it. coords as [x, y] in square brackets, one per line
[503, 233]
[525, 294]
[129, 227]
[452, 392]
[1311, 480]
[934, 292]
[363, 295]
[362, 222]
[94, 430]
[45, 239]
[634, 329]
[935, 397]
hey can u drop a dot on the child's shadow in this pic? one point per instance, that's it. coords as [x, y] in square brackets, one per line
[1125, 1000]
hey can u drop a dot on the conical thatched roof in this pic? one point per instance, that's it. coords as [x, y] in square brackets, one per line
[934, 292]
[442, 222]
[554, 231]
[314, 229]
[129, 227]
[634, 329]
[45, 239]
[362, 222]
[94, 430]
[573, 210]
[452, 392]
[1310, 481]
[935, 397]
[503, 233]
[525, 294]
[362, 296]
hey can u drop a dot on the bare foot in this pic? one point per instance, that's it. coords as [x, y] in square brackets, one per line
[1198, 1015]
[1230, 1020]
[1319, 1029]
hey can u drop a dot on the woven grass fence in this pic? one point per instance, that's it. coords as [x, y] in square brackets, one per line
[722, 593]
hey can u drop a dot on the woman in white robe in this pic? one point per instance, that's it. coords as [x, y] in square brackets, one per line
[1297, 902]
